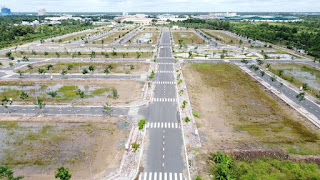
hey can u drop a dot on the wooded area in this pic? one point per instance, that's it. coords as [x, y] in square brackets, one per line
[11, 34]
[294, 35]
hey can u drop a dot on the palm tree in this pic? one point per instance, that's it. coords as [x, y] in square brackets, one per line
[53, 94]
[24, 95]
[20, 73]
[80, 93]
[40, 104]
[91, 68]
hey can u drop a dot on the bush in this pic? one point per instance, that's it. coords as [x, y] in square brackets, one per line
[141, 124]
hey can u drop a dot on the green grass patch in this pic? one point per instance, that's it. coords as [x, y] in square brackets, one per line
[100, 91]
[68, 91]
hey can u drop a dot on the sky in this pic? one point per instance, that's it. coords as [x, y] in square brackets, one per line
[163, 5]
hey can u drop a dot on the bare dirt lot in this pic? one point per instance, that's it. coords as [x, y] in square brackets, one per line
[236, 113]
[36, 146]
[114, 92]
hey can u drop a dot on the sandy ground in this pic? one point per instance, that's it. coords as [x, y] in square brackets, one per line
[128, 90]
[104, 151]
[216, 121]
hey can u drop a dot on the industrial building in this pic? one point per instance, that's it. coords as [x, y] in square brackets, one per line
[5, 11]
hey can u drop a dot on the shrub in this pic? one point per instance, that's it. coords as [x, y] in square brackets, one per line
[141, 124]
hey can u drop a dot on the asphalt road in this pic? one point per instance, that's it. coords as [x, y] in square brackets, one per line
[164, 154]
[62, 110]
[307, 104]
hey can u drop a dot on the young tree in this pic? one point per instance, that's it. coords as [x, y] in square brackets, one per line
[53, 94]
[20, 73]
[135, 146]
[110, 66]
[115, 94]
[41, 71]
[141, 124]
[70, 67]
[50, 66]
[63, 174]
[91, 68]
[25, 58]
[281, 71]
[262, 73]
[85, 71]
[40, 103]
[300, 96]
[80, 93]
[24, 95]
[63, 72]
[107, 108]
[5, 102]
[107, 71]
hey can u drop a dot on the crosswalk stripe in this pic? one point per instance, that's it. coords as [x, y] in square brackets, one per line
[175, 176]
[165, 176]
[145, 176]
[163, 125]
[150, 175]
[155, 176]
[170, 176]
[181, 176]
[160, 176]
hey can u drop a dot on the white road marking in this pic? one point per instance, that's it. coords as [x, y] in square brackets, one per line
[165, 176]
[150, 175]
[181, 176]
[170, 176]
[155, 176]
[175, 176]
[145, 176]
[160, 175]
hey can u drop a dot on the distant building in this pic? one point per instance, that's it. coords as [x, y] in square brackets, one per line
[42, 12]
[140, 15]
[5, 11]
[223, 14]
[125, 14]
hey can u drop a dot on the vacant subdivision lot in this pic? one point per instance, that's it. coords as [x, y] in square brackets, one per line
[78, 67]
[222, 37]
[189, 38]
[66, 91]
[300, 75]
[112, 37]
[238, 114]
[145, 37]
[36, 146]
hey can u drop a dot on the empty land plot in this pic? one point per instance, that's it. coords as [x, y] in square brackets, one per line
[222, 37]
[187, 38]
[299, 75]
[237, 114]
[65, 54]
[112, 37]
[145, 37]
[65, 91]
[36, 146]
[78, 67]
[76, 36]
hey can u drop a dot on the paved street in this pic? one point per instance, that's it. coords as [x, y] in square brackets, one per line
[164, 153]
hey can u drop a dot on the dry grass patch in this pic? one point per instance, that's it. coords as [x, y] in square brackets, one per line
[187, 38]
[95, 92]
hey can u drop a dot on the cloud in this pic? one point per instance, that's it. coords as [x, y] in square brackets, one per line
[160, 6]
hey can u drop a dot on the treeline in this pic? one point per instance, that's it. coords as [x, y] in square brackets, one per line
[15, 35]
[296, 35]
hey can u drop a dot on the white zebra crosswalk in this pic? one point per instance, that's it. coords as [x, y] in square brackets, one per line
[169, 125]
[164, 82]
[161, 176]
[163, 100]
[164, 71]
[165, 63]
